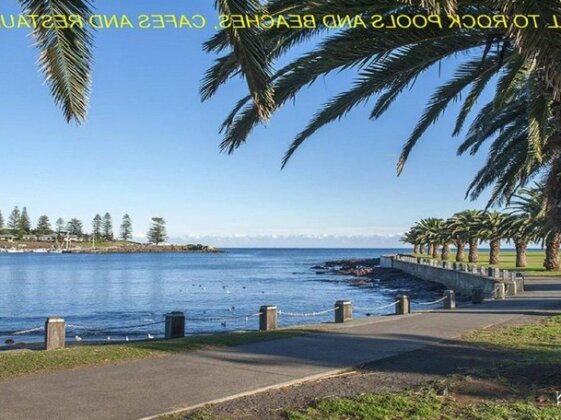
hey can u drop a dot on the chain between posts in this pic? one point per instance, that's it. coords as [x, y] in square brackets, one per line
[308, 314]
[431, 303]
[377, 308]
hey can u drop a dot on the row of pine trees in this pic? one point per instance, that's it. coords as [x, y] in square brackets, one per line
[19, 224]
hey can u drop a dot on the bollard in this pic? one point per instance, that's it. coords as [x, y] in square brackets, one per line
[511, 288]
[175, 325]
[483, 271]
[496, 273]
[466, 268]
[268, 318]
[450, 301]
[519, 280]
[474, 269]
[403, 305]
[444, 264]
[55, 333]
[506, 275]
[500, 291]
[477, 295]
[343, 311]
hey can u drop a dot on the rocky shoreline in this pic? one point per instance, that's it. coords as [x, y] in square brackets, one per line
[367, 273]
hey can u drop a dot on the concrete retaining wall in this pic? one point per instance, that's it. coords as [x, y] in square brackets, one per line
[458, 280]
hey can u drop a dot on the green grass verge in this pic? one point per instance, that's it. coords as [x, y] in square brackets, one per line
[508, 262]
[537, 344]
[17, 363]
[423, 404]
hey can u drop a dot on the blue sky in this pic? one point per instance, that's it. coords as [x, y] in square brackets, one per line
[150, 148]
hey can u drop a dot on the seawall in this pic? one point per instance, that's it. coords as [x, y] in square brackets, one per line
[462, 278]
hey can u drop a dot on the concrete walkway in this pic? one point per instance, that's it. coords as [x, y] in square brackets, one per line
[149, 387]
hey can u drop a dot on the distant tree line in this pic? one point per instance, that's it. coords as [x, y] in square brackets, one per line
[19, 224]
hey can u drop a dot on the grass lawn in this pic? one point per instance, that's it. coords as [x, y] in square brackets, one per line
[16, 363]
[508, 262]
[527, 378]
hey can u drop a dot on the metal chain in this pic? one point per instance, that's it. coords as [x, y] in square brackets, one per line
[431, 303]
[227, 318]
[125, 327]
[378, 308]
[26, 331]
[308, 314]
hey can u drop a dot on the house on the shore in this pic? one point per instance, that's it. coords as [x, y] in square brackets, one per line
[71, 238]
[29, 238]
[7, 237]
[47, 237]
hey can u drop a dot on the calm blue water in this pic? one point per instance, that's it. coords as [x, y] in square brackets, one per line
[99, 294]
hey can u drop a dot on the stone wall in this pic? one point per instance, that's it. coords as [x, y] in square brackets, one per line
[461, 278]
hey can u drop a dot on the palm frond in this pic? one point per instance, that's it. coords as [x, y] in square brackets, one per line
[65, 54]
[250, 54]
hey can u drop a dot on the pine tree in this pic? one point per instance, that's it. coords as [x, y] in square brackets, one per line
[1, 221]
[74, 227]
[96, 226]
[107, 227]
[44, 225]
[13, 220]
[24, 225]
[126, 228]
[157, 233]
[60, 225]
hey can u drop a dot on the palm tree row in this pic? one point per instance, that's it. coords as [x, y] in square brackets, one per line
[523, 222]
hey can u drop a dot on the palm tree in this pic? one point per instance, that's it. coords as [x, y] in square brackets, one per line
[429, 232]
[455, 229]
[521, 229]
[529, 203]
[490, 229]
[445, 238]
[466, 225]
[412, 237]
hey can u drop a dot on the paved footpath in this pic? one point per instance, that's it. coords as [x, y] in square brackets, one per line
[149, 387]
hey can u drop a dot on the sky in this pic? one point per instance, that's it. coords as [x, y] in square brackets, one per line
[150, 147]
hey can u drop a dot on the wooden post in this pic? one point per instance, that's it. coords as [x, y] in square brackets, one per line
[450, 301]
[268, 318]
[175, 325]
[403, 305]
[343, 311]
[477, 295]
[500, 291]
[55, 333]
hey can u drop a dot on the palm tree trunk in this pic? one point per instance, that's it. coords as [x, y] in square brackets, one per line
[435, 251]
[445, 252]
[430, 249]
[473, 252]
[552, 191]
[415, 249]
[552, 253]
[460, 251]
[494, 253]
[421, 249]
[521, 257]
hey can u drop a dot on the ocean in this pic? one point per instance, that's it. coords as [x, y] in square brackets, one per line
[127, 295]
